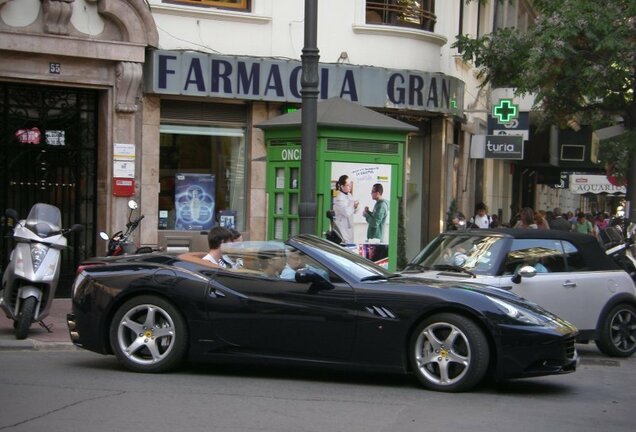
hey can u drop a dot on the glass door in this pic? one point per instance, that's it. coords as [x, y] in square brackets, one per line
[284, 190]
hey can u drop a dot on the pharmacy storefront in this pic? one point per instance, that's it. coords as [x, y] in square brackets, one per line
[212, 162]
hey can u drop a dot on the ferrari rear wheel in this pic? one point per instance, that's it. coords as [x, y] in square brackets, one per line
[618, 332]
[449, 353]
[148, 334]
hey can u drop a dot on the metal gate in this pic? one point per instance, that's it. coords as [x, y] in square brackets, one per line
[48, 139]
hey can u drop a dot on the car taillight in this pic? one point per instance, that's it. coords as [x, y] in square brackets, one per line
[82, 267]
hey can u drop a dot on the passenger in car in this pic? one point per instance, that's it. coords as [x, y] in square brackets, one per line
[272, 262]
[216, 237]
[294, 263]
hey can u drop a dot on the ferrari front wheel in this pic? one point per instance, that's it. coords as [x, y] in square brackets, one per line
[148, 334]
[449, 353]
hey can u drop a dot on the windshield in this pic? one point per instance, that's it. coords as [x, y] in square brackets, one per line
[341, 260]
[271, 259]
[480, 255]
[44, 219]
[45, 213]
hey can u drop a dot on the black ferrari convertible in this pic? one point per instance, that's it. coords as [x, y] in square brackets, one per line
[310, 301]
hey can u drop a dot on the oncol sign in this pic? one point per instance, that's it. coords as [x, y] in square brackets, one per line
[596, 184]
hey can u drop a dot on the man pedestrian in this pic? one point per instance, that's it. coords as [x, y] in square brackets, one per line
[559, 222]
[481, 219]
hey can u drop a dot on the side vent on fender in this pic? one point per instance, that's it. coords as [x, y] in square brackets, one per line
[380, 311]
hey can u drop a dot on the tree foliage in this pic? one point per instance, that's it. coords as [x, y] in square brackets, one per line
[579, 59]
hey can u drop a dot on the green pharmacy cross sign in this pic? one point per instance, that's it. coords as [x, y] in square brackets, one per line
[505, 111]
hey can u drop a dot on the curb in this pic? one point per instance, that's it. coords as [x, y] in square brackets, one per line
[35, 345]
[54, 346]
[55, 338]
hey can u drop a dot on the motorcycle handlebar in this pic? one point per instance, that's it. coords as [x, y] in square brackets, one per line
[135, 222]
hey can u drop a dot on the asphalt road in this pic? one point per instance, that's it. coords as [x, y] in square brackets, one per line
[82, 391]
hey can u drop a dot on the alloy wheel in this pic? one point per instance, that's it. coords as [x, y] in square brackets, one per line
[146, 334]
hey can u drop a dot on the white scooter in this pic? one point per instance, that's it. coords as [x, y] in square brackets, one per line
[30, 280]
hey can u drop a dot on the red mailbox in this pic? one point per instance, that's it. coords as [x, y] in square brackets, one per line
[123, 187]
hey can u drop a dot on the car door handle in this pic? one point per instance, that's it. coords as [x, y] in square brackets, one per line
[569, 284]
[216, 293]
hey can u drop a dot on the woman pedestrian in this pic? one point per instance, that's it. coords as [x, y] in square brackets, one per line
[526, 219]
[540, 220]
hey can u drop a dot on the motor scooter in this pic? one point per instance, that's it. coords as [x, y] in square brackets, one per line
[30, 279]
[121, 242]
[620, 247]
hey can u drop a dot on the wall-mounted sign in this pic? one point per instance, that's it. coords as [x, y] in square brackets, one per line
[269, 79]
[504, 147]
[123, 151]
[55, 137]
[496, 147]
[28, 136]
[227, 218]
[596, 184]
[517, 126]
[505, 111]
[123, 169]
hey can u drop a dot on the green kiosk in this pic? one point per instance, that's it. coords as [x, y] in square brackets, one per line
[359, 177]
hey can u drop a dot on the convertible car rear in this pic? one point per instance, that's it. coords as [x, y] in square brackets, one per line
[336, 309]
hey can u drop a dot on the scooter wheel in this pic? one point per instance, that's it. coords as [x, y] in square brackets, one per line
[25, 318]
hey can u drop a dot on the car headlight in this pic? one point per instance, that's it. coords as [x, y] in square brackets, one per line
[519, 314]
[38, 252]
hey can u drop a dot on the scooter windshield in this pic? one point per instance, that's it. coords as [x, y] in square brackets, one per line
[44, 220]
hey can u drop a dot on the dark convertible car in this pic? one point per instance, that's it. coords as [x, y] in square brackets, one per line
[325, 307]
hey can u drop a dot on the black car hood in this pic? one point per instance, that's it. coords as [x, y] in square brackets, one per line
[461, 285]
[483, 289]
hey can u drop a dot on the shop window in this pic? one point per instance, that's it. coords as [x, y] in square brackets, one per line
[243, 5]
[419, 14]
[202, 177]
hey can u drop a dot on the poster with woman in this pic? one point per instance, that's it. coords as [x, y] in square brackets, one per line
[361, 194]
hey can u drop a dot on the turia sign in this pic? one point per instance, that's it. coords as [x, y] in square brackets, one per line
[504, 147]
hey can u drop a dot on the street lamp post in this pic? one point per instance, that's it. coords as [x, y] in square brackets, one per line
[309, 91]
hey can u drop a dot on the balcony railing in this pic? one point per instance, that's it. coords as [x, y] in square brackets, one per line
[402, 13]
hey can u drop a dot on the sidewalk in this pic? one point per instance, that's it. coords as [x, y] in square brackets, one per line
[39, 338]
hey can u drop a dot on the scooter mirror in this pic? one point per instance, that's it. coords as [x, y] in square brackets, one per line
[132, 204]
[103, 235]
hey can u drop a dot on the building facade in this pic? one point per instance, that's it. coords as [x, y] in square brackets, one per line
[157, 100]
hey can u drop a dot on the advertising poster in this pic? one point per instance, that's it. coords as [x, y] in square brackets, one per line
[361, 214]
[194, 201]
[227, 218]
